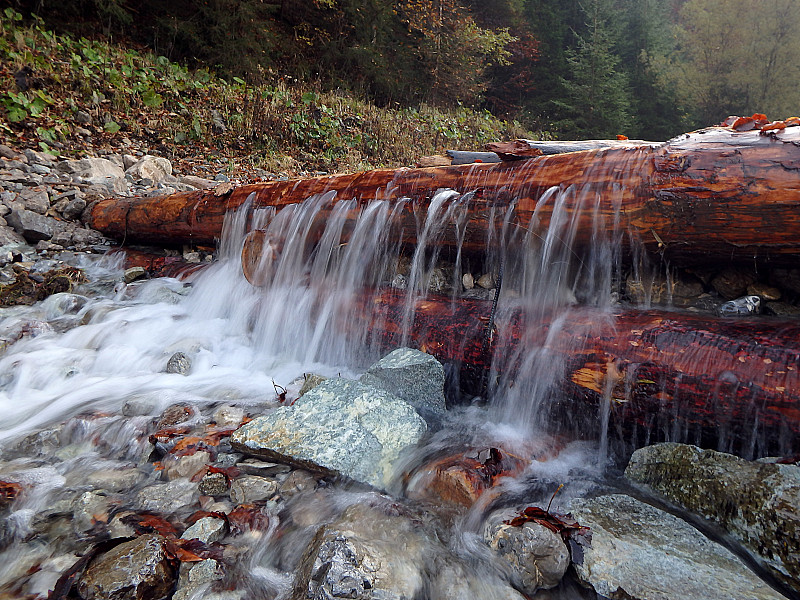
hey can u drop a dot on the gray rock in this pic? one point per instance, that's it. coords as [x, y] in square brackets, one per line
[32, 226]
[297, 482]
[35, 199]
[167, 497]
[414, 376]
[98, 171]
[7, 152]
[310, 381]
[732, 282]
[252, 466]
[340, 426]
[639, 552]
[186, 466]
[115, 480]
[364, 554]
[746, 305]
[131, 571]
[154, 168]
[758, 503]
[87, 509]
[250, 489]
[486, 281]
[453, 580]
[196, 579]
[537, 556]
[134, 407]
[72, 209]
[198, 182]
[228, 416]
[781, 309]
[179, 363]
[468, 281]
[213, 484]
[132, 274]
[207, 529]
[40, 169]
[83, 117]
[8, 236]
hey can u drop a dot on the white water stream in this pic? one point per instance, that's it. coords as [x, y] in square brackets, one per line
[74, 362]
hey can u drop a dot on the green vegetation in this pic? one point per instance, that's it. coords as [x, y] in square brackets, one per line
[131, 93]
[354, 82]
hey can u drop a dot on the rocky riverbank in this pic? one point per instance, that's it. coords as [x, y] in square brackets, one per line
[332, 487]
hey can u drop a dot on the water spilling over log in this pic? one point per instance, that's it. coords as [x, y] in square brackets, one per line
[732, 383]
[715, 194]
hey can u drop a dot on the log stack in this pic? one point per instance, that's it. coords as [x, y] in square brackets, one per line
[709, 197]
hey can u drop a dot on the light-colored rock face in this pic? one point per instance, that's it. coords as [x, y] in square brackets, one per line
[758, 503]
[135, 570]
[644, 553]
[364, 554]
[154, 168]
[414, 376]
[537, 556]
[341, 426]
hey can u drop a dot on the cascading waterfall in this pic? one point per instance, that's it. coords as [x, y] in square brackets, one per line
[84, 360]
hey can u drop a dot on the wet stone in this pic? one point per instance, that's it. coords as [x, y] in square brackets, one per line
[468, 281]
[537, 556]
[732, 283]
[167, 497]
[642, 553]
[213, 484]
[133, 570]
[228, 416]
[764, 291]
[250, 489]
[364, 554]
[781, 309]
[486, 281]
[207, 529]
[32, 226]
[340, 426]
[297, 482]
[414, 376]
[89, 509]
[115, 480]
[252, 466]
[186, 466]
[174, 415]
[310, 381]
[751, 500]
[179, 363]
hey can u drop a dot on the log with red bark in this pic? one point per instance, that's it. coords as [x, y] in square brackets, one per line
[730, 383]
[714, 194]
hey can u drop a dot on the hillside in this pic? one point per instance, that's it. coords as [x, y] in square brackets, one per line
[73, 96]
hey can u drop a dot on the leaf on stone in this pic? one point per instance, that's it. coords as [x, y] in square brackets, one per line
[149, 523]
[229, 473]
[165, 435]
[575, 535]
[202, 514]
[193, 550]
[247, 517]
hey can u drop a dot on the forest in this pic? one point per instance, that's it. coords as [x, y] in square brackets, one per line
[647, 69]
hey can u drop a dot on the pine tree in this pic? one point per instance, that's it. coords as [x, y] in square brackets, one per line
[598, 98]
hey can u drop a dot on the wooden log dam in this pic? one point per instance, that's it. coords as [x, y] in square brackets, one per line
[711, 195]
[732, 384]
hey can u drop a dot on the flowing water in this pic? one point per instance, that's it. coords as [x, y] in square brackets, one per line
[75, 363]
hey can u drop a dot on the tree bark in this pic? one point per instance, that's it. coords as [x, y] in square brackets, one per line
[728, 383]
[713, 195]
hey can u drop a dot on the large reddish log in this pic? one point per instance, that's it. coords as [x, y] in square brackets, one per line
[727, 383]
[713, 194]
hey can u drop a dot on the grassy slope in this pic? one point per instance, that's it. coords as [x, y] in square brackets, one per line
[161, 105]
